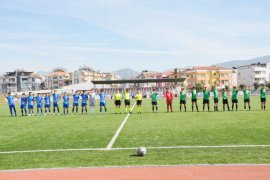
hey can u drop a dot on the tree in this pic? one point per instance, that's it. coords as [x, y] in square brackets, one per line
[199, 87]
[256, 85]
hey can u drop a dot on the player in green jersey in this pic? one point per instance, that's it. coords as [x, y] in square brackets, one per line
[154, 97]
[206, 95]
[246, 92]
[183, 99]
[215, 92]
[194, 99]
[235, 98]
[225, 99]
[263, 97]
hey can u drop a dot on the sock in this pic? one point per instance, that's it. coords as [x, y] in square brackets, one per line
[192, 108]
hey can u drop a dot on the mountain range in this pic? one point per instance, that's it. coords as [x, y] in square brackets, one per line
[126, 73]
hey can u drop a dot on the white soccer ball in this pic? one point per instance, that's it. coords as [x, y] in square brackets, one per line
[141, 151]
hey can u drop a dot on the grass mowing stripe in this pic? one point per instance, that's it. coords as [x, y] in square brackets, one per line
[111, 143]
[119, 149]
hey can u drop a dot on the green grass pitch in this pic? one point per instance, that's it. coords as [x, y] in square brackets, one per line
[146, 129]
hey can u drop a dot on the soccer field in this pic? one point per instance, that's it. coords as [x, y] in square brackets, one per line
[171, 138]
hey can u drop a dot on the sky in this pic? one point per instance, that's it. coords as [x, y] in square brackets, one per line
[139, 34]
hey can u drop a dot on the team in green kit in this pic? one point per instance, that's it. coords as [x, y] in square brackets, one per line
[206, 94]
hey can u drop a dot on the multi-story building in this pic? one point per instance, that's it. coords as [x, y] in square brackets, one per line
[58, 78]
[253, 73]
[209, 76]
[20, 81]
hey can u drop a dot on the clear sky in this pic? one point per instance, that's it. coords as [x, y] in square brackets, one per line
[139, 34]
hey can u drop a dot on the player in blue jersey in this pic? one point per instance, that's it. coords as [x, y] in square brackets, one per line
[11, 104]
[23, 104]
[39, 101]
[102, 99]
[84, 102]
[76, 98]
[47, 102]
[30, 100]
[65, 103]
[56, 98]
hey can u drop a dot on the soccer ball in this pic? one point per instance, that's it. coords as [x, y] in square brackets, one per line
[141, 151]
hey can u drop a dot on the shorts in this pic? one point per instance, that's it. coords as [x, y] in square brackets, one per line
[55, 104]
[194, 100]
[65, 105]
[235, 101]
[154, 103]
[139, 102]
[206, 101]
[247, 100]
[215, 100]
[183, 102]
[127, 102]
[23, 106]
[30, 106]
[92, 103]
[11, 106]
[39, 106]
[263, 100]
[117, 103]
[75, 104]
[84, 104]
[47, 106]
[102, 104]
[225, 101]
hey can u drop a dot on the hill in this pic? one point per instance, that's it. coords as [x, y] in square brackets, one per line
[126, 73]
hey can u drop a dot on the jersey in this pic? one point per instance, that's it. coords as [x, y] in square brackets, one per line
[126, 96]
[66, 100]
[30, 100]
[246, 94]
[154, 96]
[206, 94]
[55, 98]
[169, 96]
[39, 100]
[76, 98]
[263, 93]
[183, 95]
[215, 94]
[10, 100]
[47, 100]
[102, 98]
[138, 97]
[117, 96]
[224, 95]
[194, 94]
[84, 98]
[234, 94]
[23, 101]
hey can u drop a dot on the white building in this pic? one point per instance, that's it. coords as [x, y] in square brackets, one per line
[252, 73]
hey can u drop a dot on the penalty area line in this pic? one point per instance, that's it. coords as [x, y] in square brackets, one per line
[122, 149]
[111, 143]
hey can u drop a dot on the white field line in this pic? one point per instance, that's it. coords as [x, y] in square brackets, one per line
[111, 143]
[119, 149]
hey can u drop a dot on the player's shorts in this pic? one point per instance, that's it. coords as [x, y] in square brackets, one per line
[65, 105]
[11, 106]
[247, 100]
[55, 104]
[154, 103]
[75, 104]
[263, 100]
[215, 100]
[235, 101]
[117, 102]
[30, 106]
[139, 102]
[169, 102]
[183, 102]
[84, 104]
[47, 106]
[127, 102]
[206, 101]
[194, 100]
[225, 101]
[92, 103]
[39, 106]
[102, 104]
[23, 106]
